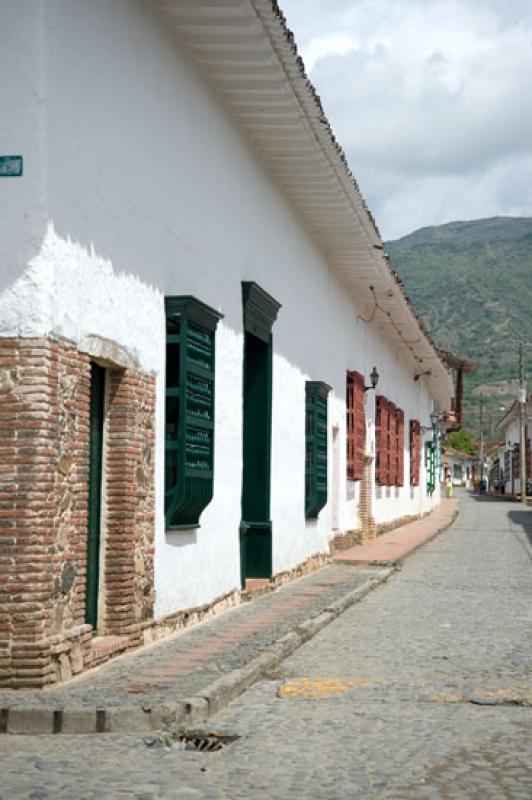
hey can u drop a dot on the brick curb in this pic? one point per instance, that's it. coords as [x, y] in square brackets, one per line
[401, 557]
[182, 714]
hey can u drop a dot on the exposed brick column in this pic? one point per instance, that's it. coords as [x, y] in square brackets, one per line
[129, 501]
[369, 528]
[44, 470]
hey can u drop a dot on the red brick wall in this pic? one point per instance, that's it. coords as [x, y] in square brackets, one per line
[130, 500]
[44, 429]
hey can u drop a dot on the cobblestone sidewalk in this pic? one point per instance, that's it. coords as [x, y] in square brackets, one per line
[186, 678]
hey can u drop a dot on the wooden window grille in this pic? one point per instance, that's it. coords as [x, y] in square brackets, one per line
[355, 425]
[415, 439]
[392, 445]
[189, 418]
[381, 440]
[430, 464]
[389, 463]
[400, 449]
[316, 430]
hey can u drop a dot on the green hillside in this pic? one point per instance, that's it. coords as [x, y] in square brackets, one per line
[472, 284]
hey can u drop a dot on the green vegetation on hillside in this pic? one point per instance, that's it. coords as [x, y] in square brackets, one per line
[471, 282]
[463, 441]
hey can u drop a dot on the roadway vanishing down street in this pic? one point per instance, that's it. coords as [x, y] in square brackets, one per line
[421, 691]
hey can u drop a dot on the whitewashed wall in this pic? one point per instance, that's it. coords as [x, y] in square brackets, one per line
[150, 190]
[22, 200]
[513, 435]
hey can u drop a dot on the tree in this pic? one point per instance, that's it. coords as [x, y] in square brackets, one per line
[463, 441]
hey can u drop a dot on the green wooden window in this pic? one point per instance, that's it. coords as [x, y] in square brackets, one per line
[189, 418]
[315, 447]
[430, 464]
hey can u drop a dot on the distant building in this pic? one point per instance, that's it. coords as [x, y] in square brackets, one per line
[193, 299]
[496, 458]
[460, 366]
[509, 457]
[460, 467]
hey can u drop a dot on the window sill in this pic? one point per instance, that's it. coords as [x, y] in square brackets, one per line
[181, 528]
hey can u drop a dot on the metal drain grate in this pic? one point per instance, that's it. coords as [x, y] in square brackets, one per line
[194, 742]
[211, 743]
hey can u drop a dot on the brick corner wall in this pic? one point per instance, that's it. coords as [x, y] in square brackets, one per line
[44, 467]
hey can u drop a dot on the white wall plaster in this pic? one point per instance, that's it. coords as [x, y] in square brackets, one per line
[170, 200]
[22, 133]
[73, 292]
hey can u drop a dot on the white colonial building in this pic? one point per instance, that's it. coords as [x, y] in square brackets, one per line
[193, 298]
[506, 461]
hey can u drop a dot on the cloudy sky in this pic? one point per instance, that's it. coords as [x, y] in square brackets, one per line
[430, 99]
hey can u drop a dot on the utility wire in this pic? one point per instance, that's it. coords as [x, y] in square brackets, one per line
[377, 306]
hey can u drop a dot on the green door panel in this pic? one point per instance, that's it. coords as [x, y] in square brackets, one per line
[260, 312]
[255, 529]
[95, 493]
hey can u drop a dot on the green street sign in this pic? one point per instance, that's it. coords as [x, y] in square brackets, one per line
[10, 166]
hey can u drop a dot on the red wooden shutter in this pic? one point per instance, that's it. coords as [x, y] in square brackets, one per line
[386, 441]
[392, 445]
[418, 450]
[400, 447]
[355, 425]
[350, 425]
[360, 425]
[378, 438]
[415, 431]
[382, 444]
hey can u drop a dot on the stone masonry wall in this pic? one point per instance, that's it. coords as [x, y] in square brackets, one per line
[44, 457]
[130, 502]
[44, 465]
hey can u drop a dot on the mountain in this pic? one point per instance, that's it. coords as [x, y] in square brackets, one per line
[471, 282]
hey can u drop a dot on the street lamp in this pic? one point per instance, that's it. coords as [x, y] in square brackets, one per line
[374, 378]
[434, 420]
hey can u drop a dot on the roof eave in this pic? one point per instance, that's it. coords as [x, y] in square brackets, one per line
[248, 54]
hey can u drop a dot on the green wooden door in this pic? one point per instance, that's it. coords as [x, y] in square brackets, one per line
[95, 493]
[256, 528]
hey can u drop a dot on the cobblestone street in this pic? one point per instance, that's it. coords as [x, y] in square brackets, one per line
[422, 690]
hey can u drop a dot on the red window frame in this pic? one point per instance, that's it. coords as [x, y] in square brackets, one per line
[381, 440]
[389, 444]
[392, 445]
[355, 425]
[415, 455]
[400, 475]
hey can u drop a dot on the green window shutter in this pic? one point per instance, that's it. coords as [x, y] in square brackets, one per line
[430, 463]
[189, 419]
[316, 433]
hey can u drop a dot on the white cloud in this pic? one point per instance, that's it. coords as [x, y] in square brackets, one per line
[429, 98]
[333, 44]
[407, 202]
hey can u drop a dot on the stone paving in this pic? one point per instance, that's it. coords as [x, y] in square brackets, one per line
[393, 547]
[392, 713]
[184, 664]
